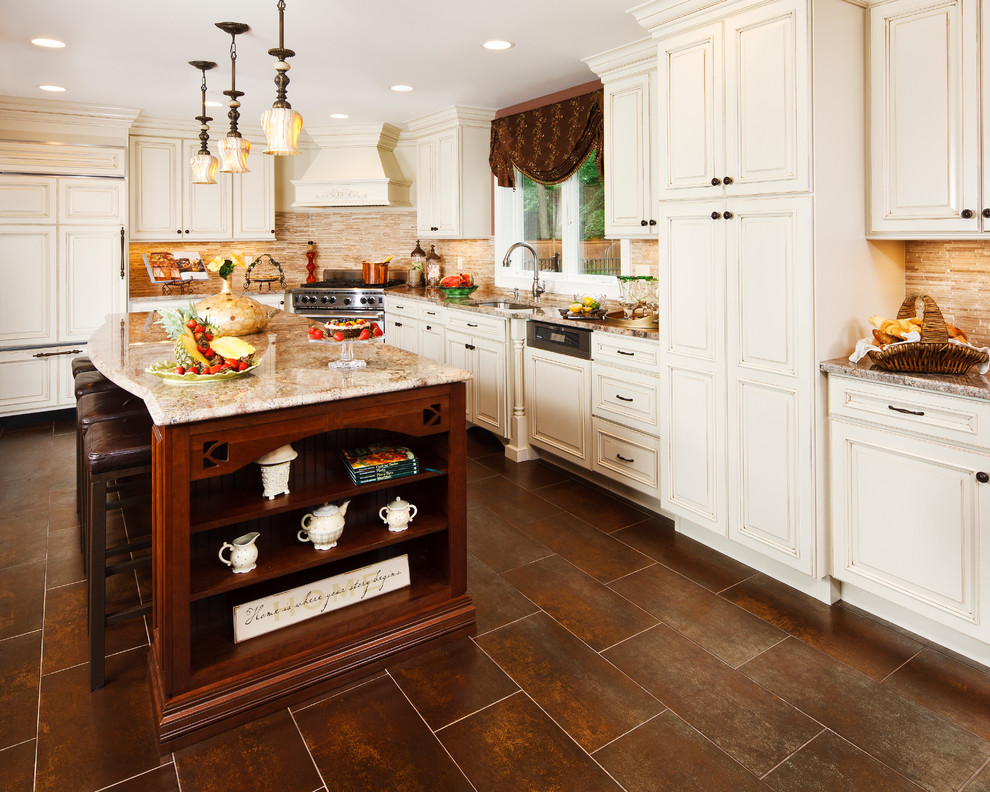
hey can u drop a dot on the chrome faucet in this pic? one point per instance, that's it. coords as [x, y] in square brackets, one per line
[538, 288]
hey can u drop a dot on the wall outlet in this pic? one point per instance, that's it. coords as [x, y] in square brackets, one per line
[460, 263]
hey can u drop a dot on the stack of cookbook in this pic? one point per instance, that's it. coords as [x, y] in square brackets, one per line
[379, 462]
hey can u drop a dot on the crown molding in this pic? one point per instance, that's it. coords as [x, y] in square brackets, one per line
[455, 115]
[635, 57]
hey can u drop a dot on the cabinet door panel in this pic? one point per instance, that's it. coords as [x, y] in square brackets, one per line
[205, 207]
[155, 193]
[489, 391]
[431, 342]
[27, 199]
[558, 399]
[627, 151]
[691, 467]
[27, 272]
[770, 472]
[924, 117]
[447, 183]
[91, 286]
[426, 185]
[254, 200]
[459, 355]
[907, 517]
[27, 382]
[91, 201]
[768, 254]
[692, 264]
[767, 90]
[690, 113]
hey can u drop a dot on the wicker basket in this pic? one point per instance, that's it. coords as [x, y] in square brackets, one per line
[934, 353]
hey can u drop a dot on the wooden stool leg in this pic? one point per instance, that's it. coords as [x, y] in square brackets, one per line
[96, 496]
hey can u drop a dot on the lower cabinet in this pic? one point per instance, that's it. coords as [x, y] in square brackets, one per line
[36, 380]
[558, 400]
[627, 456]
[910, 504]
[485, 359]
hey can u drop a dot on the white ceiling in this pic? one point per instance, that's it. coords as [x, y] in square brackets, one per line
[134, 53]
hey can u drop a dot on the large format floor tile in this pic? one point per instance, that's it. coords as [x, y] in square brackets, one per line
[499, 544]
[593, 505]
[20, 673]
[516, 505]
[590, 699]
[930, 750]
[496, 601]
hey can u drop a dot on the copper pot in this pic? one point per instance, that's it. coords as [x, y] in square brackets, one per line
[381, 273]
[374, 272]
[368, 272]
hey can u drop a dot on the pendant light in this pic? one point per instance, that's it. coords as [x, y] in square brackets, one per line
[233, 148]
[281, 123]
[203, 164]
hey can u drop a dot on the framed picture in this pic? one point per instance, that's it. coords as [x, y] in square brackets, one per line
[170, 267]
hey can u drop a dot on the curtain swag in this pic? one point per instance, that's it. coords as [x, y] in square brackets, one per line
[548, 144]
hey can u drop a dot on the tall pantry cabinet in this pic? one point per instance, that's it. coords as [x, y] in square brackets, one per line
[63, 268]
[764, 265]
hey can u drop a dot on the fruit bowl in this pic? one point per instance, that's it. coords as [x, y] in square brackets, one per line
[457, 291]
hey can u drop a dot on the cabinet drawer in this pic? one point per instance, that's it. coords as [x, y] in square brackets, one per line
[431, 312]
[476, 324]
[627, 456]
[620, 350]
[953, 418]
[625, 399]
[399, 307]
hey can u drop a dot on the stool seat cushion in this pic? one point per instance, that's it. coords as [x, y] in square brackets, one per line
[106, 406]
[81, 364]
[118, 444]
[92, 382]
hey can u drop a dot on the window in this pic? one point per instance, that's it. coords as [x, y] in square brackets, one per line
[565, 224]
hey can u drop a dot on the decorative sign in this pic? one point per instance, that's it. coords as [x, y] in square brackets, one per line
[296, 605]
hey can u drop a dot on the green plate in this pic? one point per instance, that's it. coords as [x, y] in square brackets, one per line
[166, 371]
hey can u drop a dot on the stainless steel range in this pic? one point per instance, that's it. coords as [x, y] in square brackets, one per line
[340, 295]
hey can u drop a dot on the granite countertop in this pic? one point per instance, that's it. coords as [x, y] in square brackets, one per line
[973, 385]
[547, 311]
[293, 370]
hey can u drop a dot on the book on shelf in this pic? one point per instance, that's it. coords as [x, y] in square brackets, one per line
[379, 462]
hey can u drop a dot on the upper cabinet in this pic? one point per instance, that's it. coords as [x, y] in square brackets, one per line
[166, 205]
[733, 116]
[629, 78]
[925, 120]
[453, 178]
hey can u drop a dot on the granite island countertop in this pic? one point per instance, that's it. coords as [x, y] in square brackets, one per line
[974, 386]
[293, 370]
[547, 311]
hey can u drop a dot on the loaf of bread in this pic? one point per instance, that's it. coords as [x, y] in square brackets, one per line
[897, 329]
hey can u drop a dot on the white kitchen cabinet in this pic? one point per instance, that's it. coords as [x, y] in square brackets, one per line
[737, 371]
[453, 177]
[402, 325]
[733, 105]
[910, 511]
[166, 205]
[28, 271]
[485, 358]
[627, 456]
[28, 199]
[628, 75]
[92, 272]
[925, 119]
[37, 379]
[432, 333]
[558, 400]
[91, 201]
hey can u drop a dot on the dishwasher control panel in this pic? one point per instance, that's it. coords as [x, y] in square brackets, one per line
[573, 341]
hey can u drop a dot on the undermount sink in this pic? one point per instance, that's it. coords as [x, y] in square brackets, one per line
[506, 305]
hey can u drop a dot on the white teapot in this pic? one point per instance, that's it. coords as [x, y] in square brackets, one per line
[324, 526]
[397, 515]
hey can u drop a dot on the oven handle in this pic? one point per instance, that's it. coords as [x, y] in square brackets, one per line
[371, 316]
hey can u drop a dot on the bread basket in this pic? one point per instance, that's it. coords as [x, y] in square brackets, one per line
[934, 353]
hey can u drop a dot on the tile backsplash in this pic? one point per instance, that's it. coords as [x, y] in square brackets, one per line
[956, 275]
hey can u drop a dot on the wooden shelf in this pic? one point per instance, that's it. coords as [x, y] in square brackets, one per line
[240, 502]
[209, 577]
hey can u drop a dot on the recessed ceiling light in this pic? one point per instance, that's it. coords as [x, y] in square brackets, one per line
[498, 44]
[55, 88]
[401, 88]
[50, 43]
[339, 115]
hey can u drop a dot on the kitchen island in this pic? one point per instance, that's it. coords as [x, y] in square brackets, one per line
[207, 490]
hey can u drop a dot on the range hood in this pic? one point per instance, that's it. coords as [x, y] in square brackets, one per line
[354, 166]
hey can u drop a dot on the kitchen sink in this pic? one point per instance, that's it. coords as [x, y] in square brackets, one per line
[506, 305]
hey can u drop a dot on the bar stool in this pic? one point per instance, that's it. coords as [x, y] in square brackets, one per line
[115, 452]
[92, 382]
[92, 408]
[81, 364]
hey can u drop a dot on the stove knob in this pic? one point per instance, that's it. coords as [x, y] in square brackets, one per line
[324, 299]
[347, 301]
[332, 299]
[364, 300]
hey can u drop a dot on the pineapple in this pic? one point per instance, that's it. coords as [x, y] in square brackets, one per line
[197, 350]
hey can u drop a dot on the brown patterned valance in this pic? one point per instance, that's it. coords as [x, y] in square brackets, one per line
[549, 143]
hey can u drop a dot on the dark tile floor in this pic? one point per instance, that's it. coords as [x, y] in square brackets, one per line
[611, 654]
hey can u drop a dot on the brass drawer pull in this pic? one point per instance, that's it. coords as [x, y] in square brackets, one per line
[906, 412]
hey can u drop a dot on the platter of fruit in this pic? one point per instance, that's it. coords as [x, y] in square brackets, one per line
[201, 353]
[345, 330]
[458, 285]
[584, 308]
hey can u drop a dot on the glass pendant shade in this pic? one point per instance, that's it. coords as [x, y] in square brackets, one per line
[233, 154]
[204, 168]
[282, 126]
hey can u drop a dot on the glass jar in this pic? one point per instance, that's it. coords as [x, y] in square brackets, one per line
[433, 273]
